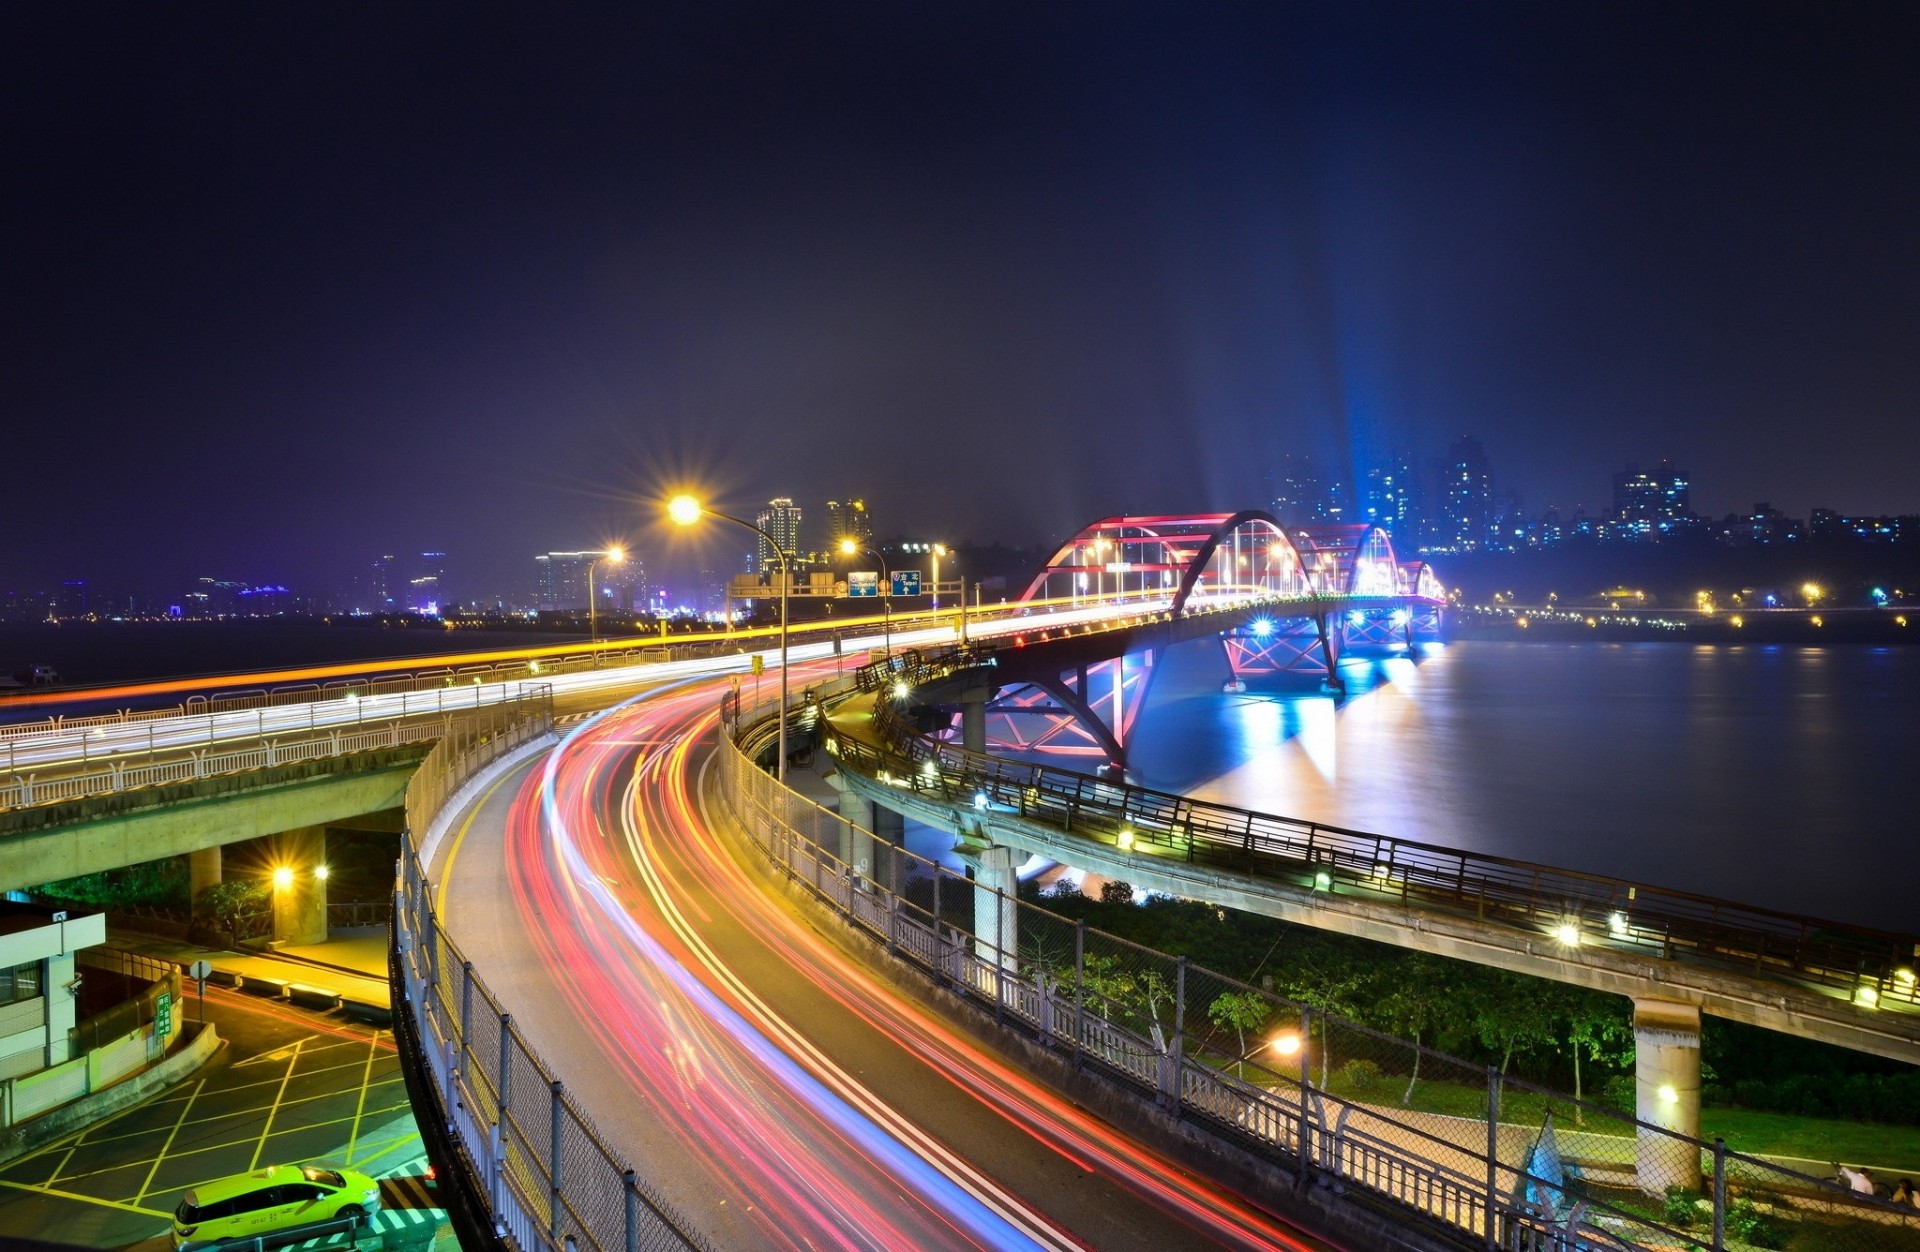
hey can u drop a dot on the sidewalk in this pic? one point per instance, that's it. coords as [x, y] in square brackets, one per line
[351, 964]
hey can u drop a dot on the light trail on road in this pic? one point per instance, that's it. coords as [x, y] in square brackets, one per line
[621, 877]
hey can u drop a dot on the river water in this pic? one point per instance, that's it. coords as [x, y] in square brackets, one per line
[1778, 776]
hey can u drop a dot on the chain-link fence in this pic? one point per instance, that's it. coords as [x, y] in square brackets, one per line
[1514, 1165]
[550, 1179]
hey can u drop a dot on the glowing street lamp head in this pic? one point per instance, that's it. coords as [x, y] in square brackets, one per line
[283, 877]
[616, 555]
[849, 547]
[320, 872]
[684, 510]
[1287, 1043]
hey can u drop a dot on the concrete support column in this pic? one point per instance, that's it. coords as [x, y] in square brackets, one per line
[61, 1004]
[203, 871]
[996, 912]
[300, 887]
[973, 719]
[1666, 1080]
[856, 819]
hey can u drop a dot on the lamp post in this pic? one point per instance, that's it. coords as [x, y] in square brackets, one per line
[939, 550]
[685, 511]
[615, 555]
[852, 548]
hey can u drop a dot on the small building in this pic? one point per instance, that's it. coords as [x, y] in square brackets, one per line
[38, 986]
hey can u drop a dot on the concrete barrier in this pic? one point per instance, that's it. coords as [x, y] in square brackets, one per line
[202, 1042]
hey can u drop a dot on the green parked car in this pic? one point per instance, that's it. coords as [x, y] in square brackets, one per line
[280, 1199]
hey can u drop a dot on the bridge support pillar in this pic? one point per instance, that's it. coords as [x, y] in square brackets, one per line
[996, 906]
[1666, 1080]
[300, 892]
[973, 719]
[203, 871]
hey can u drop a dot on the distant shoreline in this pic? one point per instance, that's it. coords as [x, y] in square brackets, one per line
[1794, 627]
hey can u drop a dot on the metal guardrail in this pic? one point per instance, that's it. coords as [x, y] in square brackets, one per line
[1874, 968]
[550, 1179]
[23, 791]
[1200, 1044]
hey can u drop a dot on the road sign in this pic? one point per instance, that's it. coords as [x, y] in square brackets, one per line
[906, 582]
[759, 665]
[863, 583]
[162, 1015]
[200, 971]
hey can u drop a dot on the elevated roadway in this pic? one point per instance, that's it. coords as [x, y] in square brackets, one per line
[787, 1095]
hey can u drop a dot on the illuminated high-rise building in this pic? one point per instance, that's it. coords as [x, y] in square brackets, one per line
[1647, 506]
[780, 519]
[1466, 492]
[848, 519]
[1386, 496]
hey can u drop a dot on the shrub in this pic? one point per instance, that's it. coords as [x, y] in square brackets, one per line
[1682, 1207]
[1619, 1093]
[1753, 1225]
[1360, 1076]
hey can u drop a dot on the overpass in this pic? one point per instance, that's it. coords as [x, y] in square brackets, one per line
[1675, 954]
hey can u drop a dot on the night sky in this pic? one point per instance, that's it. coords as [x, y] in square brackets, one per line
[287, 285]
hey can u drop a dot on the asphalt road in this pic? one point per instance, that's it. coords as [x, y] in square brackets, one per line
[290, 1086]
[557, 966]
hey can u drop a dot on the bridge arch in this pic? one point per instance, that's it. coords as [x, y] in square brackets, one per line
[1352, 558]
[1273, 564]
[1168, 559]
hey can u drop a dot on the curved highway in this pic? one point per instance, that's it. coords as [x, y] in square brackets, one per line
[767, 1081]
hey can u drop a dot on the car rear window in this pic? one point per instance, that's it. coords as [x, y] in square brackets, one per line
[326, 1176]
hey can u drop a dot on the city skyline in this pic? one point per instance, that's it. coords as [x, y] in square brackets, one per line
[1007, 269]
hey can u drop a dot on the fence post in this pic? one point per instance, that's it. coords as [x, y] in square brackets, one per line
[1079, 986]
[466, 1013]
[1493, 1156]
[1179, 1044]
[1719, 1195]
[632, 1185]
[1306, 1094]
[553, 1167]
[506, 1062]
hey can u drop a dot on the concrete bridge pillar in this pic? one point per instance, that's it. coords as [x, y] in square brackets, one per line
[203, 871]
[300, 887]
[973, 719]
[1666, 1079]
[857, 816]
[996, 909]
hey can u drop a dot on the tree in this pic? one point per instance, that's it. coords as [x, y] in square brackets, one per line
[1115, 987]
[1601, 1027]
[230, 901]
[1511, 1016]
[1238, 1011]
[1331, 982]
[1416, 1004]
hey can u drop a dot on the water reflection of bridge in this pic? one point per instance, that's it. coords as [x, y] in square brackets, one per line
[1275, 601]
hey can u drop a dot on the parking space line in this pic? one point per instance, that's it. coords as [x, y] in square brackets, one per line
[161, 1155]
[398, 1141]
[258, 1148]
[360, 1108]
[85, 1199]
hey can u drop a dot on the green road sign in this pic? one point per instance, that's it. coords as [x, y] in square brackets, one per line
[163, 1014]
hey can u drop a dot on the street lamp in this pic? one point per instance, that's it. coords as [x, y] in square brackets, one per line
[851, 547]
[939, 550]
[614, 555]
[685, 511]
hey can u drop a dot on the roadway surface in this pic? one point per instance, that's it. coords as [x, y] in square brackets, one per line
[290, 1086]
[769, 1085]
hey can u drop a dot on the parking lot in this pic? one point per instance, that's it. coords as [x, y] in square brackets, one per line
[291, 1086]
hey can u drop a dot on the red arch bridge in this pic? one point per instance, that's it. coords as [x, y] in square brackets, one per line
[1275, 601]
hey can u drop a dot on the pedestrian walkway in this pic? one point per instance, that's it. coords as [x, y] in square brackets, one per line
[351, 965]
